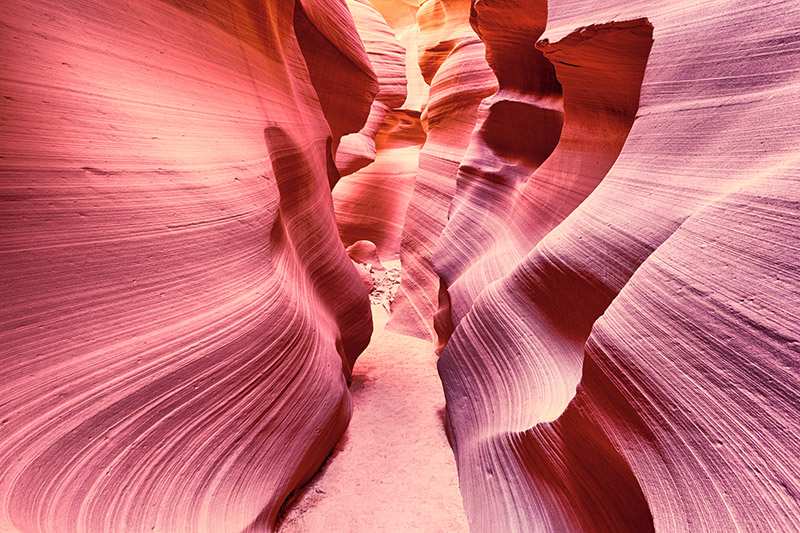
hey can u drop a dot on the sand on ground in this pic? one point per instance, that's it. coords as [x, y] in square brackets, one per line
[393, 471]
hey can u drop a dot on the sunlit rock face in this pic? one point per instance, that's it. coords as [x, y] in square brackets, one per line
[371, 203]
[624, 285]
[401, 16]
[596, 205]
[388, 58]
[179, 314]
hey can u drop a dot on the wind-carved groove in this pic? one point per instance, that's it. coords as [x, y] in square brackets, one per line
[295, 174]
[450, 116]
[518, 128]
[523, 306]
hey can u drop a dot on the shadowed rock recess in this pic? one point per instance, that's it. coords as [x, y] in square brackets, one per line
[592, 210]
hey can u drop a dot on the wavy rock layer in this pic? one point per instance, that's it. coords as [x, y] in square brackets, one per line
[459, 85]
[388, 58]
[179, 315]
[624, 288]
[608, 220]
[401, 16]
[371, 203]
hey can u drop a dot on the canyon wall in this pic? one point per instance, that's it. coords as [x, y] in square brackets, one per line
[388, 59]
[597, 209]
[370, 203]
[179, 316]
[624, 287]
[452, 60]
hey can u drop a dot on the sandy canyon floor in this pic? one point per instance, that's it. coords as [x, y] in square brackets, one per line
[393, 470]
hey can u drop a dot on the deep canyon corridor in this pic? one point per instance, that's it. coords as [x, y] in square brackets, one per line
[497, 266]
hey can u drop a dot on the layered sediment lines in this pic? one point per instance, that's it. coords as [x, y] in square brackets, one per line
[625, 347]
[371, 203]
[179, 315]
[459, 84]
[597, 208]
[388, 58]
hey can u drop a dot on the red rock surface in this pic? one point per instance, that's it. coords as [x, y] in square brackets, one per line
[179, 315]
[650, 262]
[371, 203]
[597, 207]
[388, 58]
[457, 88]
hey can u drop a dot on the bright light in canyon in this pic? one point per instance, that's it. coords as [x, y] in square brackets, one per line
[399, 265]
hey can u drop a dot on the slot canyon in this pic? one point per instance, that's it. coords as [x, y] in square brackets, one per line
[399, 265]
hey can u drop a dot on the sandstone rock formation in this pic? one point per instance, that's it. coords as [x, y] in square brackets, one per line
[596, 205]
[650, 261]
[462, 79]
[401, 16]
[179, 315]
[388, 59]
[371, 203]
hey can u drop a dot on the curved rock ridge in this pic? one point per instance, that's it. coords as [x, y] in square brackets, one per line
[401, 16]
[388, 58]
[706, 417]
[371, 203]
[625, 308]
[597, 208]
[442, 25]
[179, 315]
[327, 36]
[520, 126]
[457, 89]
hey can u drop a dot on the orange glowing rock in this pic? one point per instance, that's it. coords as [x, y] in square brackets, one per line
[596, 207]
[462, 81]
[387, 56]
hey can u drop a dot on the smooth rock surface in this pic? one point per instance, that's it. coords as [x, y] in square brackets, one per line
[388, 58]
[179, 315]
[459, 85]
[650, 263]
[597, 207]
[371, 203]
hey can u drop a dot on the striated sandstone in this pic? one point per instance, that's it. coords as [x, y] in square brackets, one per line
[459, 85]
[648, 263]
[388, 58]
[179, 315]
[597, 210]
[371, 203]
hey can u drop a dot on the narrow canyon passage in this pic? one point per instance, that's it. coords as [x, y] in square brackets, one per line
[393, 470]
[364, 266]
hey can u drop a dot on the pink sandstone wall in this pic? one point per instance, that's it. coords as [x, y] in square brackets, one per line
[597, 208]
[179, 316]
